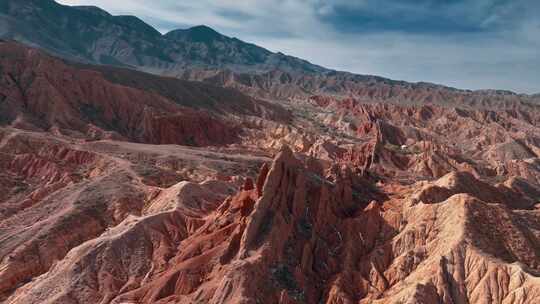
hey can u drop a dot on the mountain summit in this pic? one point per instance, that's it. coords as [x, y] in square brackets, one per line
[89, 34]
[200, 33]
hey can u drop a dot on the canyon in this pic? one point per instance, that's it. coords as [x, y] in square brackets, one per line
[259, 178]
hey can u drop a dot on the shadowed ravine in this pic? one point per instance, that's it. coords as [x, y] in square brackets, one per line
[206, 181]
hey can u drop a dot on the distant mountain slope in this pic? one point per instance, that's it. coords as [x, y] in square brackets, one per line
[83, 33]
[91, 35]
[43, 93]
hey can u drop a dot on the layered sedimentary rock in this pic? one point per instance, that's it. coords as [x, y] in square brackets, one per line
[39, 92]
[59, 193]
[302, 235]
[122, 187]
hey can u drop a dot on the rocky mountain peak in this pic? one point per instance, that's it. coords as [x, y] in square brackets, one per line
[93, 9]
[200, 33]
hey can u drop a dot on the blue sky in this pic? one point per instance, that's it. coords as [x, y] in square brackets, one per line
[471, 44]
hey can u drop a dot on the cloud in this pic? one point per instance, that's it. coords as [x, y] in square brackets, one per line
[474, 44]
[425, 16]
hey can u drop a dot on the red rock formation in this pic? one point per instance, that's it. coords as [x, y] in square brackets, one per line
[379, 203]
[44, 93]
[63, 193]
[305, 238]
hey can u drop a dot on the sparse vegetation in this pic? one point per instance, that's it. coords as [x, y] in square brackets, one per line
[284, 278]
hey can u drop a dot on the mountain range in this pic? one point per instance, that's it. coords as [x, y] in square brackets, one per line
[191, 167]
[91, 35]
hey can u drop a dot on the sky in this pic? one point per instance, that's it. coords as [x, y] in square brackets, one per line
[468, 44]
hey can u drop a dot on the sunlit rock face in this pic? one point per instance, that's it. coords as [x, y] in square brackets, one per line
[273, 181]
[298, 234]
